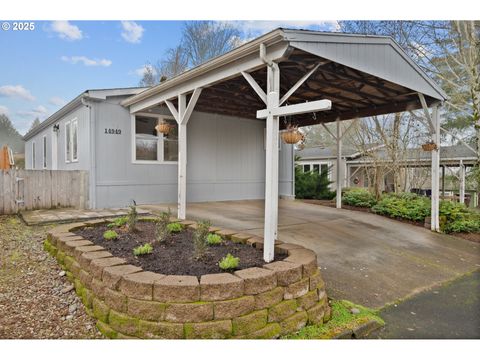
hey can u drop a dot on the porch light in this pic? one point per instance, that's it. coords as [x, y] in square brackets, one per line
[163, 127]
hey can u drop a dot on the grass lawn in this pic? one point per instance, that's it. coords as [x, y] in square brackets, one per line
[342, 321]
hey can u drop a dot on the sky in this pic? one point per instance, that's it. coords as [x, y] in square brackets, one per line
[44, 68]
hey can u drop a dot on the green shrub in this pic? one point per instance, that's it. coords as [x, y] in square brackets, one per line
[174, 227]
[110, 235]
[161, 224]
[458, 218]
[214, 239]
[118, 222]
[143, 250]
[405, 205]
[132, 218]
[229, 262]
[311, 185]
[358, 197]
[200, 238]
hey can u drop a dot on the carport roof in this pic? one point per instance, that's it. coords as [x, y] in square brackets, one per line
[362, 75]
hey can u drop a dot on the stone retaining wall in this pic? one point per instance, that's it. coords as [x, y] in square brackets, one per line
[280, 298]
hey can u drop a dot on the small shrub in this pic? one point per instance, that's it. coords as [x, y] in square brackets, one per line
[458, 218]
[312, 185]
[214, 239]
[359, 197]
[143, 250]
[132, 218]
[200, 238]
[174, 227]
[118, 222]
[161, 231]
[229, 262]
[110, 235]
[407, 206]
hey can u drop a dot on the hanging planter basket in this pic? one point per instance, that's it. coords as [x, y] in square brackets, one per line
[291, 135]
[430, 146]
[163, 127]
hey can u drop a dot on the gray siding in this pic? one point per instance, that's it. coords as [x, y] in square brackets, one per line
[81, 113]
[225, 161]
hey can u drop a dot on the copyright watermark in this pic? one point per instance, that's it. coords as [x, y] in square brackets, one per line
[18, 26]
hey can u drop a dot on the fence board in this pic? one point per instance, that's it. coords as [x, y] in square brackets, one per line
[43, 189]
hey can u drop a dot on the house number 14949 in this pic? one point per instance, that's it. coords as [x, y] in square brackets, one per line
[113, 131]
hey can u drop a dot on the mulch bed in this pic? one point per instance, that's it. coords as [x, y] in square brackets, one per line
[174, 256]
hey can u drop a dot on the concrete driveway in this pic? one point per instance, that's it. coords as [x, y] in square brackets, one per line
[365, 258]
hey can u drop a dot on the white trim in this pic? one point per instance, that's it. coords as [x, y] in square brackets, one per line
[54, 149]
[44, 151]
[160, 141]
[67, 157]
[11, 159]
[74, 121]
[34, 155]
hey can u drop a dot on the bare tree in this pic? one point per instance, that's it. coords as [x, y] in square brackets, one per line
[204, 40]
[200, 42]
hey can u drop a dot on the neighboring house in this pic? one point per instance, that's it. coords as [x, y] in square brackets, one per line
[323, 159]
[127, 160]
[414, 165]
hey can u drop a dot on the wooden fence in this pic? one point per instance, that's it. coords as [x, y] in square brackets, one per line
[42, 189]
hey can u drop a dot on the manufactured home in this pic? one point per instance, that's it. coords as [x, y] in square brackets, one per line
[128, 159]
[233, 108]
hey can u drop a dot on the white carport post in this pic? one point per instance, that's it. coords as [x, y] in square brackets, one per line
[182, 115]
[435, 222]
[271, 164]
[462, 182]
[338, 169]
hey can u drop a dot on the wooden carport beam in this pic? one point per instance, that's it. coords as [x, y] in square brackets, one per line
[298, 84]
[182, 115]
[255, 86]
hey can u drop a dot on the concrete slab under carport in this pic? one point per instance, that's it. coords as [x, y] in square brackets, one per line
[365, 258]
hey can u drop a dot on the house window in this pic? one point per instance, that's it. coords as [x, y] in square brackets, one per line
[170, 142]
[323, 168]
[316, 168]
[306, 168]
[151, 145]
[33, 155]
[71, 141]
[44, 152]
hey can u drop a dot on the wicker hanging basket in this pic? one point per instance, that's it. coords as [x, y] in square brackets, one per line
[291, 135]
[163, 127]
[430, 146]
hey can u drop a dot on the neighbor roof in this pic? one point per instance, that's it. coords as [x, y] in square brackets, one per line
[453, 153]
[362, 75]
[93, 94]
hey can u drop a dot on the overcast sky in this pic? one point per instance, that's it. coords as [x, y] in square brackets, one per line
[43, 69]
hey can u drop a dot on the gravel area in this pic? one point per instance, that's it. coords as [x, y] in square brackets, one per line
[36, 300]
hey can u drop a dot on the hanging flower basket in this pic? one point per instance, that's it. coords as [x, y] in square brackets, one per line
[163, 127]
[429, 146]
[291, 135]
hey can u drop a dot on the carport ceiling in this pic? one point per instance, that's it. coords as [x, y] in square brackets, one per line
[353, 93]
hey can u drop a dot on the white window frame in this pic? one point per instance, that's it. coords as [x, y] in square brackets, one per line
[319, 163]
[34, 155]
[11, 159]
[44, 151]
[160, 146]
[69, 136]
